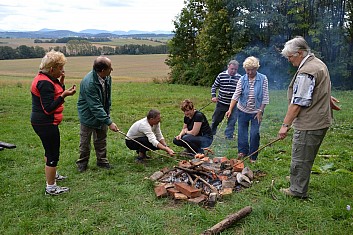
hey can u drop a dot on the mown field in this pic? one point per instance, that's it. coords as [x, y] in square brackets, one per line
[16, 42]
[122, 200]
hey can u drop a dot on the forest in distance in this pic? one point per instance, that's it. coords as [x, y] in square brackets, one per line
[36, 48]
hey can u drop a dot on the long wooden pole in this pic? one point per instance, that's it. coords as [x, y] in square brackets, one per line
[248, 156]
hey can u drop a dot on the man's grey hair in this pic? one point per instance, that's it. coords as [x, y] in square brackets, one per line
[233, 62]
[294, 45]
[153, 113]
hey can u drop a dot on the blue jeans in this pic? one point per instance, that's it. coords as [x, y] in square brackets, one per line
[197, 143]
[244, 119]
[218, 116]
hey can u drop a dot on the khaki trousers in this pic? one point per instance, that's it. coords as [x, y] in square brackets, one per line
[99, 143]
[305, 147]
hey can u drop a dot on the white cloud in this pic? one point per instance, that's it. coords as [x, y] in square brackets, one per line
[77, 15]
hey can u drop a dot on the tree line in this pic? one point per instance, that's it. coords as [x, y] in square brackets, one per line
[80, 48]
[209, 33]
[67, 39]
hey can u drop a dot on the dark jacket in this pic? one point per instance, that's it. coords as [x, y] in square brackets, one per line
[93, 108]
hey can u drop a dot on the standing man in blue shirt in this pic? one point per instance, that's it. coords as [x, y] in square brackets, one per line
[226, 83]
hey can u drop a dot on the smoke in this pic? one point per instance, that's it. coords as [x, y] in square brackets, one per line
[278, 70]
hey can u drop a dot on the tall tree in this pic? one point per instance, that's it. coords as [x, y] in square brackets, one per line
[183, 47]
[215, 42]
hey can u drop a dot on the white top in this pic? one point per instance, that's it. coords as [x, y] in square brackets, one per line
[142, 128]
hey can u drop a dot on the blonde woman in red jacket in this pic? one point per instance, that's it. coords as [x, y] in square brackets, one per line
[48, 94]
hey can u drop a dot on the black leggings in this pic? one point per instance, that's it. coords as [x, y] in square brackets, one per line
[50, 137]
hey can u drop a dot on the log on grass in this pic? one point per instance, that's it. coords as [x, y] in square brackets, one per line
[228, 221]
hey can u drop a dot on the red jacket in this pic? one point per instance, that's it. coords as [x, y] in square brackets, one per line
[47, 104]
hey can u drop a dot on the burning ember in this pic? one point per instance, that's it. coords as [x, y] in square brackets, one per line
[203, 179]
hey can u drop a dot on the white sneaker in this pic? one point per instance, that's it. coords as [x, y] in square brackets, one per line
[59, 177]
[56, 190]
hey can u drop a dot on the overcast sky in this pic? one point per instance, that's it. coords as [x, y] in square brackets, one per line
[77, 15]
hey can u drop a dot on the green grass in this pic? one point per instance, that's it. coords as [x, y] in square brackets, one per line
[122, 200]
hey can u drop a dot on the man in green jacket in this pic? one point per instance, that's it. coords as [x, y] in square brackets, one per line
[93, 106]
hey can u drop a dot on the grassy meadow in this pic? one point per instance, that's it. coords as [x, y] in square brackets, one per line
[122, 200]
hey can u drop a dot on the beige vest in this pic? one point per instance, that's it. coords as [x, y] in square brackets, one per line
[319, 114]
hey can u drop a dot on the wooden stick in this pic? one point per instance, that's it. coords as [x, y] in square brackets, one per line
[190, 179]
[195, 181]
[190, 171]
[188, 146]
[244, 158]
[271, 189]
[209, 185]
[228, 221]
[273, 141]
[205, 106]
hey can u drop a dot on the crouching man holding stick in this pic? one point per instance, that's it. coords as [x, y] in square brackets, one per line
[146, 132]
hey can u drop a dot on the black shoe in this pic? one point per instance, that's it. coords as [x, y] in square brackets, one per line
[144, 156]
[105, 165]
[140, 160]
[81, 167]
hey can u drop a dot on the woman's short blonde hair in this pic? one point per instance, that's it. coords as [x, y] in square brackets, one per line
[52, 59]
[251, 62]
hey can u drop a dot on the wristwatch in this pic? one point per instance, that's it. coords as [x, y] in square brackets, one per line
[285, 125]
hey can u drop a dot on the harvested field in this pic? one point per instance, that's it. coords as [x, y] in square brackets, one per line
[135, 68]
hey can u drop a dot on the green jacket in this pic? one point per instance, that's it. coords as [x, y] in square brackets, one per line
[92, 110]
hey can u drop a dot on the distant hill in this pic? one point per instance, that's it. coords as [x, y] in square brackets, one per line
[52, 33]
